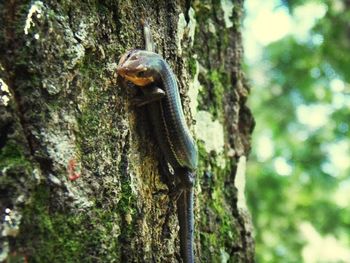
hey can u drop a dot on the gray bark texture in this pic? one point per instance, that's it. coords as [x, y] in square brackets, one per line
[80, 177]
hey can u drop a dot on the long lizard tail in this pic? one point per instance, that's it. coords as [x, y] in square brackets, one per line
[185, 215]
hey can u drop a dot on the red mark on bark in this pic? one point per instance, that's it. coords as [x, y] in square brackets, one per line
[71, 169]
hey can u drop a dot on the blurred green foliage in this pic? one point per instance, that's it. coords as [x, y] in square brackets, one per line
[299, 170]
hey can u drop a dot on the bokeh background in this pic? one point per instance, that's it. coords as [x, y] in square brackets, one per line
[297, 58]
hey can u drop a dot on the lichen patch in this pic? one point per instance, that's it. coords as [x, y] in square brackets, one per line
[240, 182]
[193, 91]
[191, 25]
[5, 249]
[181, 25]
[11, 223]
[60, 147]
[185, 29]
[35, 9]
[227, 7]
[5, 93]
[210, 131]
[10, 228]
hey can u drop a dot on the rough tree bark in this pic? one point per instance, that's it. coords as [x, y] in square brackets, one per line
[79, 169]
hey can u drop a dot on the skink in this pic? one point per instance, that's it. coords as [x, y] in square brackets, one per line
[154, 76]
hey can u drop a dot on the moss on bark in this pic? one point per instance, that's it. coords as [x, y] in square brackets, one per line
[83, 162]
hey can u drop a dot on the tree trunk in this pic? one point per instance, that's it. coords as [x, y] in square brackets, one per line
[80, 178]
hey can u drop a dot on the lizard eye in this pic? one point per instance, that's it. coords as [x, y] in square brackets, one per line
[141, 74]
[130, 55]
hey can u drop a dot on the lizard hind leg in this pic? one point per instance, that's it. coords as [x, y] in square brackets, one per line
[185, 178]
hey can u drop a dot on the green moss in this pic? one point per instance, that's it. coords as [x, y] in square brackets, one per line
[218, 225]
[227, 225]
[192, 66]
[212, 98]
[126, 207]
[52, 233]
[202, 154]
[216, 78]
[224, 234]
[236, 12]
[11, 155]
[61, 236]
[95, 135]
[92, 107]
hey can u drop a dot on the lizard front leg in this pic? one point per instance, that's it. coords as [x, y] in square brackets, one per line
[149, 94]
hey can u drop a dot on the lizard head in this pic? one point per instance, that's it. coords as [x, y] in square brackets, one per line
[139, 66]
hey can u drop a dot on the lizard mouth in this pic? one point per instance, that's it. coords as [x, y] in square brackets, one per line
[121, 69]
